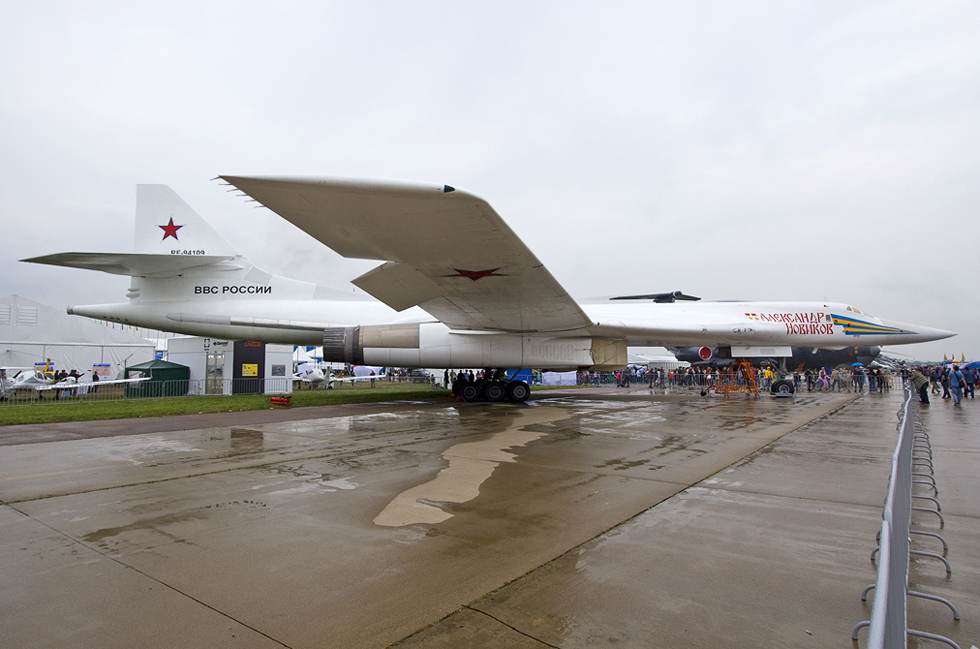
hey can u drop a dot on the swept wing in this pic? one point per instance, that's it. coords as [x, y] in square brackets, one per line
[445, 250]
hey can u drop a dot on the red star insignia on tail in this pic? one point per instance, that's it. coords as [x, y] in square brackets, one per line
[170, 230]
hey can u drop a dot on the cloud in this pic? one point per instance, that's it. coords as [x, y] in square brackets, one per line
[794, 151]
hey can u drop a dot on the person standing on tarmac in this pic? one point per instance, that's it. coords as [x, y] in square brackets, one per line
[921, 384]
[971, 382]
[956, 383]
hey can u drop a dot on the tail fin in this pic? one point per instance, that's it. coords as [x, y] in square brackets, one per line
[187, 279]
[171, 238]
[166, 225]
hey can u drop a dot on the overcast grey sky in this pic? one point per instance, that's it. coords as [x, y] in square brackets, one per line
[751, 150]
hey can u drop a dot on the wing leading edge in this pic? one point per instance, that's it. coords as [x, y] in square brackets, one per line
[445, 250]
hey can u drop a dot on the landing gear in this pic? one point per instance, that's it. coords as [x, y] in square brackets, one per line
[783, 388]
[467, 390]
[518, 391]
[494, 390]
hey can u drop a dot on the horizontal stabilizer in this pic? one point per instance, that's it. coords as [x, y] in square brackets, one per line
[133, 265]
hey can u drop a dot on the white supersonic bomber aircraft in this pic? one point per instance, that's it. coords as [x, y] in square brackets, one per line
[456, 289]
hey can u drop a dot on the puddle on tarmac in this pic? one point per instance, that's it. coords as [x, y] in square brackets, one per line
[143, 449]
[470, 464]
[345, 484]
[246, 440]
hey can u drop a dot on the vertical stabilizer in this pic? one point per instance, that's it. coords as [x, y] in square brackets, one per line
[166, 225]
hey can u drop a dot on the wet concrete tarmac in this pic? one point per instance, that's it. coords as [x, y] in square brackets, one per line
[596, 517]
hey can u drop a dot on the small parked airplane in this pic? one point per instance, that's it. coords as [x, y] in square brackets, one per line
[29, 379]
[314, 377]
[456, 289]
[13, 379]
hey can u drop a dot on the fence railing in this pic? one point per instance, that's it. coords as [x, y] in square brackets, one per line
[179, 388]
[889, 614]
[680, 378]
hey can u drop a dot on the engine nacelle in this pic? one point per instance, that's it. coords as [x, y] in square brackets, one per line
[700, 354]
[435, 345]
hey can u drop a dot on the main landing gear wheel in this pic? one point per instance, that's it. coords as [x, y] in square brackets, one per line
[518, 391]
[469, 391]
[783, 388]
[494, 391]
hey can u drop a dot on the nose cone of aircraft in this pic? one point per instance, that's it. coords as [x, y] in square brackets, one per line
[911, 333]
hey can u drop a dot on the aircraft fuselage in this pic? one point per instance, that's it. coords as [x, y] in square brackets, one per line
[738, 325]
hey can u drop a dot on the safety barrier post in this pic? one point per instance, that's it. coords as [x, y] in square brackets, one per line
[889, 623]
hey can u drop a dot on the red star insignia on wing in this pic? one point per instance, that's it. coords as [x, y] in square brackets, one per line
[476, 274]
[170, 230]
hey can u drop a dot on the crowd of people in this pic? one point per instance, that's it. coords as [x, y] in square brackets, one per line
[839, 379]
[947, 381]
[951, 381]
[63, 375]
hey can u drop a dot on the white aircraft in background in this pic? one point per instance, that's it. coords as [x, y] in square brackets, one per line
[13, 379]
[456, 289]
[314, 377]
[311, 376]
[29, 379]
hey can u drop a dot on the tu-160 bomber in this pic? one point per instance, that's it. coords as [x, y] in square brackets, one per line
[456, 289]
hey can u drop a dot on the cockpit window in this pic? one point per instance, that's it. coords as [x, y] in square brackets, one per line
[855, 310]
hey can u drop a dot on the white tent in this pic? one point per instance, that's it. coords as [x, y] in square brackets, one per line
[31, 332]
[559, 378]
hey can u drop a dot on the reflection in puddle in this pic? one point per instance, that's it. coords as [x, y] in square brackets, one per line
[339, 483]
[246, 440]
[470, 464]
[141, 449]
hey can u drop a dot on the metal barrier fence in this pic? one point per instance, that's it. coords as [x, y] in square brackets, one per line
[889, 620]
[698, 378]
[152, 389]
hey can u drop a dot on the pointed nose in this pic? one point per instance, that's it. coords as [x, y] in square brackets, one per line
[911, 333]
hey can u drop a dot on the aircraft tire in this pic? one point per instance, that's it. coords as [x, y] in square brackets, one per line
[469, 391]
[518, 391]
[783, 388]
[457, 384]
[494, 391]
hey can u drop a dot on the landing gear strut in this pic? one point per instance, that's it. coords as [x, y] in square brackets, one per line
[784, 387]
